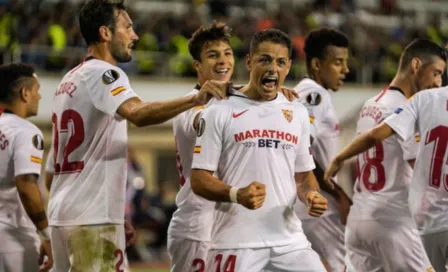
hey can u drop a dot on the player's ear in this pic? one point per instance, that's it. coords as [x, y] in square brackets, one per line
[248, 62]
[105, 33]
[416, 63]
[24, 94]
[197, 66]
[315, 64]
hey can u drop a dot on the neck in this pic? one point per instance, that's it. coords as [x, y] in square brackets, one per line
[201, 80]
[101, 52]
[16, 109]
[404, 82]
[316, 79]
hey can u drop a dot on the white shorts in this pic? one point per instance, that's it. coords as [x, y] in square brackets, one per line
[374, 246]
[88, 248]
[326, 235]
[187, 255]
[290, 258]
[436, 246]
[19, 252]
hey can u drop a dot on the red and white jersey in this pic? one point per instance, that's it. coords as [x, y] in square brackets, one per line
[193, 218]
[325, 133]
[90, 146]
[21, 151]
[427, 113]
[242, 141]
[383, 172]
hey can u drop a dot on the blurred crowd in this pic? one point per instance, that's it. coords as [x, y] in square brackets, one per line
[46, 33]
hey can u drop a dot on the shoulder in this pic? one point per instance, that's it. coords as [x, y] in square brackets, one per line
[97, 70]
[24, 129]
[311, 93]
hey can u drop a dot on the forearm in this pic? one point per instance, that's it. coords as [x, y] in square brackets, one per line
[305, 183]
[151, 113]
[31, 200]
[360, 144]
[335, 192]
[204, 184]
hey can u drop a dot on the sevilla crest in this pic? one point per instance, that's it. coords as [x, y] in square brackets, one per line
[288, 114]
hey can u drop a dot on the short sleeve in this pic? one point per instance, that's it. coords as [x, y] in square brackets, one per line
[49, 164]
[109, 89]
[28, 151]
[316, 104]
[185, 121]
[207, 151]
[410, 147]
[403, 120]
[304, 159]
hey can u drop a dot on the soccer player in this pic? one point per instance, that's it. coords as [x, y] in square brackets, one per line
[257, 143]
[326, 53]
[189, 233]
[90, 109]
[380, 233]
[21, 147]
[425, 113]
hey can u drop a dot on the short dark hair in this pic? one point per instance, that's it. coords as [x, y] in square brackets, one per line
[12, 76]
[205, 34]
[97, 13]
[423, 49]
[270, 35]
[317, 41]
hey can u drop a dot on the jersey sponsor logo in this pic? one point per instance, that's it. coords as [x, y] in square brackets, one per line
[197, 149]
[201, 127]
[38, 142]
[110, 76]
[314, 99]
[266, 133]
[236, 115]
[289, 115]
[397, 111]
[36, 159]
[118, 90]
[3, 141]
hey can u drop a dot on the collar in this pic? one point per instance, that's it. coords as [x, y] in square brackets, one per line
[2, 110]
[395, 88]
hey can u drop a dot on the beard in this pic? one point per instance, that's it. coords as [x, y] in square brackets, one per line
[119, 52]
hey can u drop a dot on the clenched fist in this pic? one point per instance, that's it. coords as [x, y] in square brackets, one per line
[252, 196]
[316, 203]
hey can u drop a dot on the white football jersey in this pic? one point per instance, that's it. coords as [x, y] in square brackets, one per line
[325, 133]
[193, 218]
[427, 113]
[90, 146]
[383, 172]
[21, 150]
[49, 163]
[242, 141]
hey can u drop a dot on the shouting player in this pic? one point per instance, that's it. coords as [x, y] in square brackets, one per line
[258, 145]
[326, 53]
[90, 109]
[380, 233]
[21, 149]
[190, 227]
[425, 113]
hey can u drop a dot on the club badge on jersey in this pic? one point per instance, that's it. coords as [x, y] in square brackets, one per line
[289, 115]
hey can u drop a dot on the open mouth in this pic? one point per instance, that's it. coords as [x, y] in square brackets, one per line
[269, 82]
[222, 72]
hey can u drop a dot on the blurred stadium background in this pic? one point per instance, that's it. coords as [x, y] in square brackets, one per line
[45, 33]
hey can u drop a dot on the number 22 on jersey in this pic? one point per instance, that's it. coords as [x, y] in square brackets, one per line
[71, 129]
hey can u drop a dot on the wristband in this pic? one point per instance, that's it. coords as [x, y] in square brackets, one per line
[233, 194]
[44, 233]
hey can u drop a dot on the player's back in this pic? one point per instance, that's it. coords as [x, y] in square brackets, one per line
[194, 214]
[90, 146]
[259, 141]
[428, 195]
[383, 172]
[12, 213]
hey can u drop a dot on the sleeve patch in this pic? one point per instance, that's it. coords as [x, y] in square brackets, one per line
[110, 76]
[38, 142]
[118, 90]
[197, 149]
[201, 127]
[314, 99]
[398, 110]
[36, 159]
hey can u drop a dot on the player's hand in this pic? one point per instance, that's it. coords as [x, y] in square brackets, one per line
[316, 203]
[290, 94]
[129, 232]
[333, 169]
[344, 203]
[212, 88]
[252, 196]
[45, 250]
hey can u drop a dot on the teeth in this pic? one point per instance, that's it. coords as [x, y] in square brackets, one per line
[222, 71]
